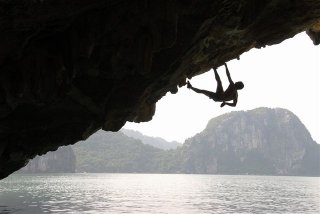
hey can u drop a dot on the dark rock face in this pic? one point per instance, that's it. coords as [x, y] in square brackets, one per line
[61, 161]
[260, 141]
[69, 68]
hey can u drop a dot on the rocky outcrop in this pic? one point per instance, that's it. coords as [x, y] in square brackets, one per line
[69, 68]
[61, 161]
[260, 141]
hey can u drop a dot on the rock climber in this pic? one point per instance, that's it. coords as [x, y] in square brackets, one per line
[222, 96]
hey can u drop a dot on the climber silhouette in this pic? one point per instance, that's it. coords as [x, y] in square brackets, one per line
[222, 96]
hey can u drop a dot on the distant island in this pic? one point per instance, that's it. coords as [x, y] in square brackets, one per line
[262, 141]
[157, 142]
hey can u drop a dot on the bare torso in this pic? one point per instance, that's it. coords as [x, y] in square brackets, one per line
[228, 95]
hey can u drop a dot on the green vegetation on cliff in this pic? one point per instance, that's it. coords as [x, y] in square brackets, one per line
[116, 152]
[262, 141]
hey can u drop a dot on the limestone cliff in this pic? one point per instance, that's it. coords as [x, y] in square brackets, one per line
[260, 141]
[60, 161]
[69, 68]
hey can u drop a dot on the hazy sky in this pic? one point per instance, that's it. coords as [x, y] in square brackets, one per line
[285, 75]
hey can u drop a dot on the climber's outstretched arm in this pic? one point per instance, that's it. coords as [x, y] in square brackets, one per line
[219, 89]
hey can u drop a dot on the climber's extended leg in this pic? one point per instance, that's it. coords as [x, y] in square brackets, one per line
[201, 91]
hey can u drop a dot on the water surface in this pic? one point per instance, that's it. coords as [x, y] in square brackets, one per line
[158, 193]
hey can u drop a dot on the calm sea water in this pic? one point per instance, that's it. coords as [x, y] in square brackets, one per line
[158, 193]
